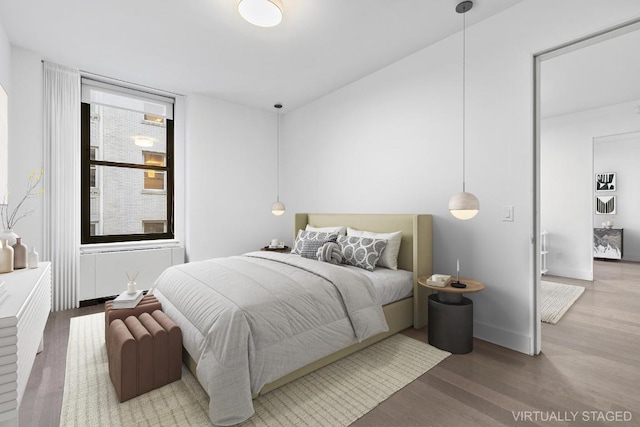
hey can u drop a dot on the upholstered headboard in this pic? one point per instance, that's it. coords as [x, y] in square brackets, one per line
[415, 249]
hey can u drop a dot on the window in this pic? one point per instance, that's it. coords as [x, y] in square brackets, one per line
[153, 180]
[127, 164]
[149, 227]
[92, 170]
[151, 119]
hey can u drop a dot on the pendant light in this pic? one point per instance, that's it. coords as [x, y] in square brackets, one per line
[262, 13]
[277, 208]
[464, 205]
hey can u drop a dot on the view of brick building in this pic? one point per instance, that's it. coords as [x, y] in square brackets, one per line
[127, 200]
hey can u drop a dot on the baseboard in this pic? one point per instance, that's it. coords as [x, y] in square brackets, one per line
[570, 273]
[503, 337]
[633, 257]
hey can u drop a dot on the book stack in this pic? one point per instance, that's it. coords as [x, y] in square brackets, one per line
[439, 280]
[127, 300]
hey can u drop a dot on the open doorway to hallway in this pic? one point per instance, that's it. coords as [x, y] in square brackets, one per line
[588, 96]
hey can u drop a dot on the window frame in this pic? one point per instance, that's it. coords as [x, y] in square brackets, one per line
[85, 174]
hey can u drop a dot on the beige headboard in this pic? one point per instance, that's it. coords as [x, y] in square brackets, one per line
[415, 249]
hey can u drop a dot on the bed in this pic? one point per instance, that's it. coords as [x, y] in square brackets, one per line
[242, 340]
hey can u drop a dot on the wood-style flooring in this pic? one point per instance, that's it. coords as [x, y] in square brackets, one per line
[589, 366]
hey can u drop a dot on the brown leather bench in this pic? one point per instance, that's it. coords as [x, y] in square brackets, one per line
[145, 353]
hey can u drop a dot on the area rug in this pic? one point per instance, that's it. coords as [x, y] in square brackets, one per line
[557, 298]
[335, 395]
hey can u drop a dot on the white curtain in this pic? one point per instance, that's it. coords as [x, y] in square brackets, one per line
[62, 182]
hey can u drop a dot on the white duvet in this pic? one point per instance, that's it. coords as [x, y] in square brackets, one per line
[249, 320]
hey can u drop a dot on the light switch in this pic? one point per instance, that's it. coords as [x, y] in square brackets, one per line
[507, 213]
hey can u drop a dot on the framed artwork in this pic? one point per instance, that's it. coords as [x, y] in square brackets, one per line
[606, 205]
[606, 181]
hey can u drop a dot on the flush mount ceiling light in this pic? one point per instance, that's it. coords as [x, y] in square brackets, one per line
[464, 205]
[277, 208]
[144, 141]
[263, 13]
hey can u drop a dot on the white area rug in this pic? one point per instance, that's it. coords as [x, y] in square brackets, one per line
[335, 395]
[557, 298]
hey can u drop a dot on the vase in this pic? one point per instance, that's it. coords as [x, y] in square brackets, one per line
[19, 254]
[131, 287]
[9, 235]
[32, 258]
[6, 257]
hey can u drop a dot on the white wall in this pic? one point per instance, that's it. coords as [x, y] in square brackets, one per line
[566, 183]
[390, 142]
[620, 154]
[5, 60]
[5, 80]
[231, 179]
[26, 151]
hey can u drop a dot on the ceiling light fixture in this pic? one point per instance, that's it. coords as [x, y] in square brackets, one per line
[464, 205]
[277, 208]
[262, 13]
[144, 141]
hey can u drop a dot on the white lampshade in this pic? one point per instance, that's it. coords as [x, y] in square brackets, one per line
[464, 205]
[277, 208]
[262, 13]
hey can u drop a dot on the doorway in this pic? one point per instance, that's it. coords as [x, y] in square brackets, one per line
[584, 90]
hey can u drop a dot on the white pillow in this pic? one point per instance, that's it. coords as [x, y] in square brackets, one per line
[389, 257]
[341, 230]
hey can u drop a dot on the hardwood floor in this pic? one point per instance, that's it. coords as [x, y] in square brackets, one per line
[42, 399]
[589, 366]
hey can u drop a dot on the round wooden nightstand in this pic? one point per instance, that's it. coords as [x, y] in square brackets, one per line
[449, 293]
[284, 250]
[450, 317]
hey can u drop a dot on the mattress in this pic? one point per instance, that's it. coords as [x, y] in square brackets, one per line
[390, 285]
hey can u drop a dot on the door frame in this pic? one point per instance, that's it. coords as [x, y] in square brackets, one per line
[537, 60]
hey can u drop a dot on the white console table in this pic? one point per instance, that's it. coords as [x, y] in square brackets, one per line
[25, 303]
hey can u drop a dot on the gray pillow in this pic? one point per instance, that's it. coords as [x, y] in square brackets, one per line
[362, 252]
[311, 235]
[310, 248]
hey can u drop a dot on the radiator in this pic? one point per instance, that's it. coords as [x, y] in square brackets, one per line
[104, 274]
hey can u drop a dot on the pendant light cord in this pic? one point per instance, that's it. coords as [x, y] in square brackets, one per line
[278, 157]
[464, 79]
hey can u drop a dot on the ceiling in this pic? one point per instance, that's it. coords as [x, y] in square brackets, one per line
[204, 46]
[598, 75]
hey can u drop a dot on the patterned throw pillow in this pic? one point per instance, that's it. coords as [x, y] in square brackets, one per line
[310, 248]
[389, 257]
[362, 252]
[311, 235]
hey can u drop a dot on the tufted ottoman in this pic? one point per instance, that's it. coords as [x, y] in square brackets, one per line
[144, 352]
[148, 304]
